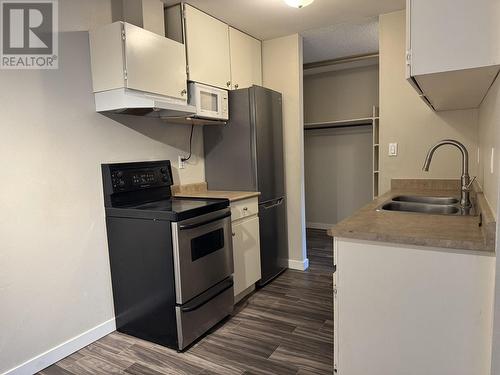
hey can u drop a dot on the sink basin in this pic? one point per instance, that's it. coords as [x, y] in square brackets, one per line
[424, 199]
[425, 208]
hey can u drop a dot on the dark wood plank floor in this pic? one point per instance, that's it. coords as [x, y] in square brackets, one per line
[284, 328]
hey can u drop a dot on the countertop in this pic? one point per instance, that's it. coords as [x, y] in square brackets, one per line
[454, 232]
[199, 190]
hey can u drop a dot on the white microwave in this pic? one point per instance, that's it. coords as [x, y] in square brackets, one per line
[210, 102]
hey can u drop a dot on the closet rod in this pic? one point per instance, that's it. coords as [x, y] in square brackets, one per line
[336, 126]
[342, 60]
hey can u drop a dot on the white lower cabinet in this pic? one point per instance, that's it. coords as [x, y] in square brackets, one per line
[246, 251]
[335, 323]
[403, 309]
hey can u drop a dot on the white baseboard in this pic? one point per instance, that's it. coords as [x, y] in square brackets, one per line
[63, 350]
[300, 265]
[324, 226]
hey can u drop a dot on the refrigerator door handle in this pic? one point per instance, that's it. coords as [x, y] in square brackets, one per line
[277, 203]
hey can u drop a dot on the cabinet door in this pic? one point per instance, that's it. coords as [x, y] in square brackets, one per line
[246, 253]
[335, 323]
[154, 64]
[207, 45]
[446, 35]
[246, 60]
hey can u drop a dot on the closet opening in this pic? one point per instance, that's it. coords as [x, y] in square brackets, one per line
[341, 148]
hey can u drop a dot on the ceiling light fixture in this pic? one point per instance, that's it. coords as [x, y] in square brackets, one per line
[298, 3]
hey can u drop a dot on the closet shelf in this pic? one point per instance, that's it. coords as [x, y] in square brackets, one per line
[339, 123]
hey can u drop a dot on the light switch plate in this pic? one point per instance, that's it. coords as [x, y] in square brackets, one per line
[492, 161]
[393, 149]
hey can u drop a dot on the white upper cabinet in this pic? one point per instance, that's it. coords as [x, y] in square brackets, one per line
[217, 54]
[453, 50]
[207, 48]
[246, 59]
[127, 56]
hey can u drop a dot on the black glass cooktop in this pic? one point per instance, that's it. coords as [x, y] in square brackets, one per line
[177, 205]
[173, 209]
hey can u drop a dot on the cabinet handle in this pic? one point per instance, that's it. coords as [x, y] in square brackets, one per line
[245, 208]
[228, 83]
[183, 92]
[236, 86]
[234, 234]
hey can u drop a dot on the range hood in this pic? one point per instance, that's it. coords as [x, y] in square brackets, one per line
[132, 102]
[136, 71]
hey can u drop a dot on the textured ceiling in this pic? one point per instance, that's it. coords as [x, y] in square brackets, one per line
[346, 39]
[267, 19]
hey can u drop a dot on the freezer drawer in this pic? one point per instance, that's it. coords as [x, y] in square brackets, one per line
[203, 312]
[273, 239]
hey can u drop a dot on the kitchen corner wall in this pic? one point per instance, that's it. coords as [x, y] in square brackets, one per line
[489, 137]
[54, 276]
[282, 71]
[407, 120]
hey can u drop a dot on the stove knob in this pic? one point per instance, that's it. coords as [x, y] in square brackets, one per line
[165, 179]
[163, 170]
[121, 183]
[119, 174]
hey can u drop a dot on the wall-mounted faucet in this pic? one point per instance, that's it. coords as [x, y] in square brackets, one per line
[466, 182]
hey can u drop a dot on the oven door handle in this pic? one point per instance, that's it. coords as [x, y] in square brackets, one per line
[201, 223]
[199, 301]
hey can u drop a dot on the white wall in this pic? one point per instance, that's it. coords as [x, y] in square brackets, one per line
[282, 71]
[54, 278]
[406, 119]
[338, 174]
[489, 137]
[341, 95]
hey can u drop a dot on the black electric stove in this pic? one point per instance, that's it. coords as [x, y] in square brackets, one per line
[171, 258]
[143, 190]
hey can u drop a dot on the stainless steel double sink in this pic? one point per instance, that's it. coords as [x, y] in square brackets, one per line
[427, 205]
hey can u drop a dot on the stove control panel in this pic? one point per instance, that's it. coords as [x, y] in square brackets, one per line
[138, 176]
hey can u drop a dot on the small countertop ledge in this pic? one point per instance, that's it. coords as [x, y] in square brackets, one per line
[441, 231]
[200, 190]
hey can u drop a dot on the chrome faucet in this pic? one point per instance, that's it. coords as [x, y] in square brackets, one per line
[465, 180]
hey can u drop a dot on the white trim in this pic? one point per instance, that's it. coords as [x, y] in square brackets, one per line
[61, 351]
[300, 265]
[324, 226]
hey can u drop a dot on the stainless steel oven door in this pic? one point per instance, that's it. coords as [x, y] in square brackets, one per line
[203, 253]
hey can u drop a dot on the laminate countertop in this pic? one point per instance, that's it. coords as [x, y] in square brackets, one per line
[199, 190]
[476, 233]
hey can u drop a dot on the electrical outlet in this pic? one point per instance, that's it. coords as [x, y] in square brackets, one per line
[492, 161]
[182, 163]
[393, 149]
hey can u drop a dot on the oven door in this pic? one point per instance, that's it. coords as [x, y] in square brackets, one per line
[203, 253]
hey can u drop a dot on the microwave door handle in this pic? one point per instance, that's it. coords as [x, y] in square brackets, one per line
[201, 223]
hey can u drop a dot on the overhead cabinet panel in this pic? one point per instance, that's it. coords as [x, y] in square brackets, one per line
[127, 56]
[207, 46]
[454, 34]
[453, 50]
[106, 57]
[155, 64]
[246, 60]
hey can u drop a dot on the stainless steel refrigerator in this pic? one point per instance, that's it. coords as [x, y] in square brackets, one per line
[247, 154]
